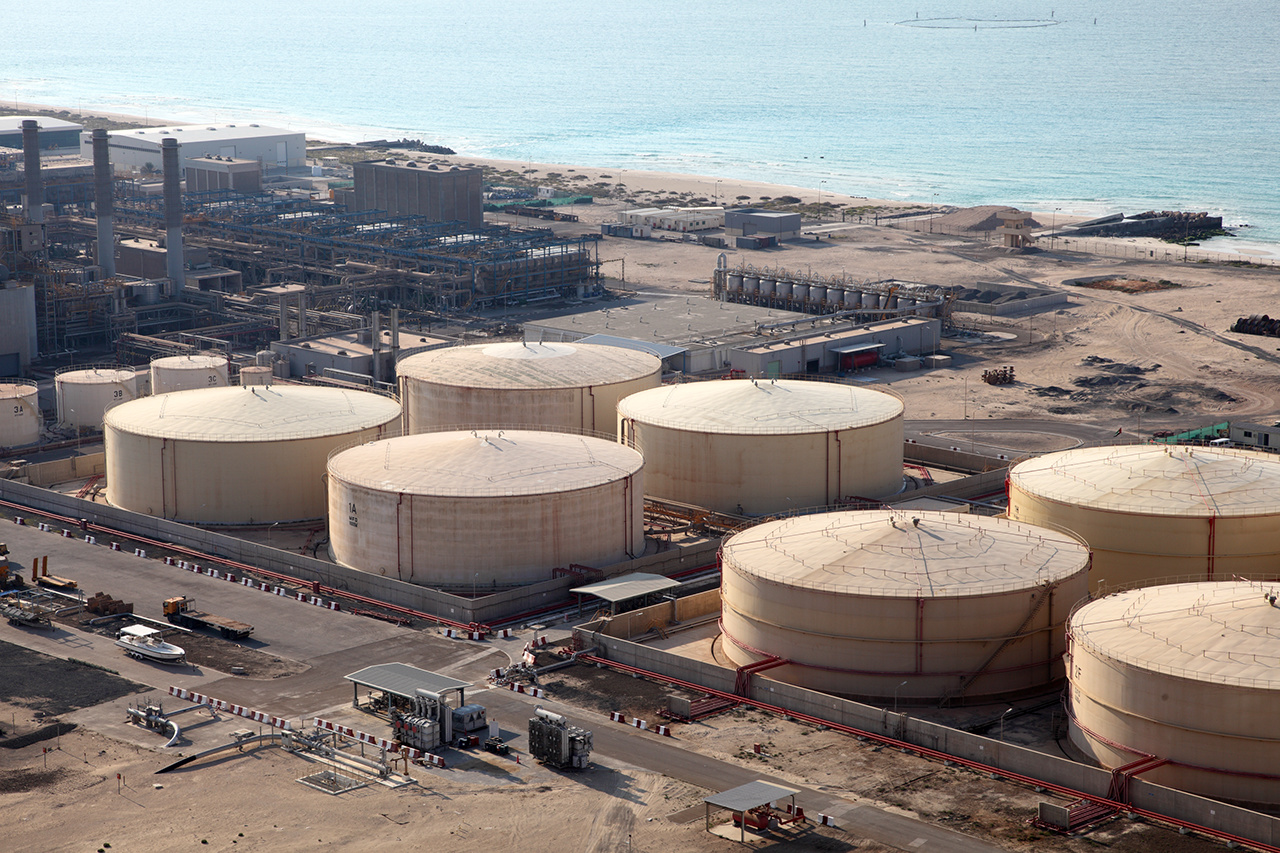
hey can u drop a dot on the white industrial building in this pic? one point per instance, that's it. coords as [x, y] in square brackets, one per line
[674, 218]
[276, 149]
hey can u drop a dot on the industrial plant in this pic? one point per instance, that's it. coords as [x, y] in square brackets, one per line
[370, 398]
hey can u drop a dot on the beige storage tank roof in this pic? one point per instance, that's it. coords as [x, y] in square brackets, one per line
[257, 413]
[780, 406]
[499, 462]
[1214, 632]
[1172, 480]
[884, 553]
[529, 365]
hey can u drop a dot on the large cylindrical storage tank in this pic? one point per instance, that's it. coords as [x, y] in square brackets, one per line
[83, 394]
[1184, 672]
[187, 373]
[557, 386]
[1152, 512]
[486, 508]
[236, 455]
[762, 446]
[20, 419]
[929, 606]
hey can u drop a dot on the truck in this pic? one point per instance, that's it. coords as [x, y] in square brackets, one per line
[9, 578]
[180, 610]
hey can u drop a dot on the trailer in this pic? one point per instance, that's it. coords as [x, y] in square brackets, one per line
[179, 611]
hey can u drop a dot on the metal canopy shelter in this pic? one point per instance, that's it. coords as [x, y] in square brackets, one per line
[403, 680]
[626, 588]
[744, 798]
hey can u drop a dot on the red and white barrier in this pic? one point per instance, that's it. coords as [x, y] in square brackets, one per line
[17, 519]
[663, 730]
[238, 710]
[617, 717]
[504, 633]
[139, 552]
[115, 546]
[535, 692]
[826, 820]
[381, 743]
[66, 534]
[92, 540]
[536, 643]
[640, 724]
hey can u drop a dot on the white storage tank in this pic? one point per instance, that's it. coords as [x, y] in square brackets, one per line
[252, 455]
[188, 372]
[485, 508]
[764, 446]
[928, 606]
[20, 420]
[255, 374]
[1153, 512]
[1187, 673]
[783, 289]
[83, 394]
[558, 386]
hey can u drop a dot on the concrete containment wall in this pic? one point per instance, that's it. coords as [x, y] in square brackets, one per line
[486, 609]
[993, 753]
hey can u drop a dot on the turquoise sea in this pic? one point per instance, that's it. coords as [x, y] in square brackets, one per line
[1087, 106]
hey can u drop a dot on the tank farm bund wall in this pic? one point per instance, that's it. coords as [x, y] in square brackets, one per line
[491, 608]
[1005, 756]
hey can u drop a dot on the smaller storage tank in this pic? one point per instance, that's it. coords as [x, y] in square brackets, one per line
[520, 384]
[735, 283]
[1184, 672]
[255, 374]
[928, 606]
[83, 394]
[481, 509]
[767, 286]
[20, 419]
[188, 372]
[783, 289]
[764, 446]
[751, 284]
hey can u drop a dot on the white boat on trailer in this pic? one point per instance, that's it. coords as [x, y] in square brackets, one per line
[140, 641]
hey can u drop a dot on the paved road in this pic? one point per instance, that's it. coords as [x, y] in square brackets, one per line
[954, 433]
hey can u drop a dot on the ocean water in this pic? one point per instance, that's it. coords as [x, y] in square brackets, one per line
[1087, 106]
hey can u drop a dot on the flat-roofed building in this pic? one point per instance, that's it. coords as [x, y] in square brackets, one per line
[452, 194]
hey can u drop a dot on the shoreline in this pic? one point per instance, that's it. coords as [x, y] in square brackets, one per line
[729, 192]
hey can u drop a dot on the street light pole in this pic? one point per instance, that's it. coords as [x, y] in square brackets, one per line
[1002, 716]
[895, 696]
[1053, 228]
[932, 210]
[820, 183]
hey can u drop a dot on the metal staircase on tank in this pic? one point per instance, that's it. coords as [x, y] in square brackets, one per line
[958, 693]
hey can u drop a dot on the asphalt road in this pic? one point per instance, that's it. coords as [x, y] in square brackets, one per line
[953, 433]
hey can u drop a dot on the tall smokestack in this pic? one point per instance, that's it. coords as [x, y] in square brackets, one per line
[33, 205]
[172, 213]
[103, 206]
